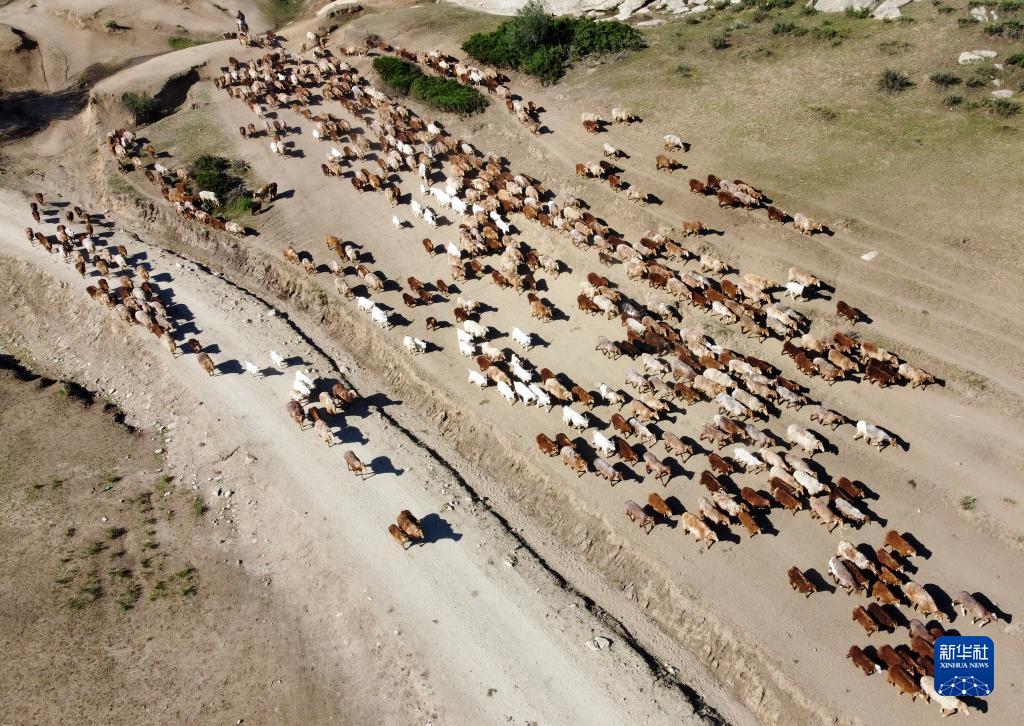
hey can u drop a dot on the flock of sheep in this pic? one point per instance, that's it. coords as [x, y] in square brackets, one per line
[673, 365]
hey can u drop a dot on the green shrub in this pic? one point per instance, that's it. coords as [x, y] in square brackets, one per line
[142, 106]
[946, 10]
[760, 16]
[1010, 29]
[808, 10]
[444, 94]
[547, 63]
[1011, 6]
[1016, 60]
[396, 73]
[686, 71]
[179, 42]
[829, 32]
[945, 80]
[1003, 107]
[975, 82]
[953, 100]
[787, 28]
[893, 82]
[535, 42]
[769, 5]
[448, 95]
[719, 42]
[862, 13]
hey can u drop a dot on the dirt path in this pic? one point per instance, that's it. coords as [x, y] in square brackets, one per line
[485, 641]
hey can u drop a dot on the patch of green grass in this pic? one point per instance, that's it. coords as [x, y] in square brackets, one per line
[861, 14]
[87, 594]
[119, 573]
[163, 484]
[160, 590]
[115, 532]
[825, 113]
[70, 532]
[894, 47]
[65, 578]
[94, 548]
[110, 478]
[1015, 60]
[893, 82]
[719, 42]
[684, 70]
[62, 391]
[279, 12]
[953, 100]
[198, 507]
[968, 502]
[144, 502]
[128, 598]
[179, 42]
[187, 581]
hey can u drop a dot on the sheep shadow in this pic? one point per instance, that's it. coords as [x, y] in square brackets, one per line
[230, 367]
[382, 465]
[997, 611]
[820, 583]
[435, 529]
[942, 600]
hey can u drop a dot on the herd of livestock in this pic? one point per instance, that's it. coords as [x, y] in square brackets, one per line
[673, 365]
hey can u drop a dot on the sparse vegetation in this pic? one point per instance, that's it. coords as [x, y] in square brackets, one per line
[1016, 60]
[115, 532]
[279, 12]
[719, 42]
[129, 596]
[825, 113]
[968, 502]
[142, 106]
[894, 47]
[444, 94]
[788, 28]
[953, 101]
[862, 13]
[1011, 29]
[538, 43]
[222, 177]
[893, 82]
[198, 507]
[1002, 107]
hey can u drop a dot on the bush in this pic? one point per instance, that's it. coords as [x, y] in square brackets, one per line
[863, 13]
[444, 94]
[396, 73]
[953, 100]
[179, 42]
[448, 95]
[1011, 6]
[1003, 107]
[686, 71]
[976, 82]
[787, 28]
[945, 79]
[142, 106]
[1016, 60]
[719, 42]
[829, 32]
[1010, 29]
[893, 81]
[535, 42]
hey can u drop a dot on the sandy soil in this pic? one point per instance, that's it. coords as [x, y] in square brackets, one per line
[744, 641]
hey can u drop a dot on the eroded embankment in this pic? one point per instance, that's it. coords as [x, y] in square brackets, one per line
[525, 496]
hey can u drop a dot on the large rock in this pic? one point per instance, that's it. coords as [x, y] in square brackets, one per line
[889, 9]
[841, 6]
[1002, 93]
[629, 7]
[975, 56]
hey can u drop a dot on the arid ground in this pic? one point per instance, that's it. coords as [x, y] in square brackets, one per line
[176, 549]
